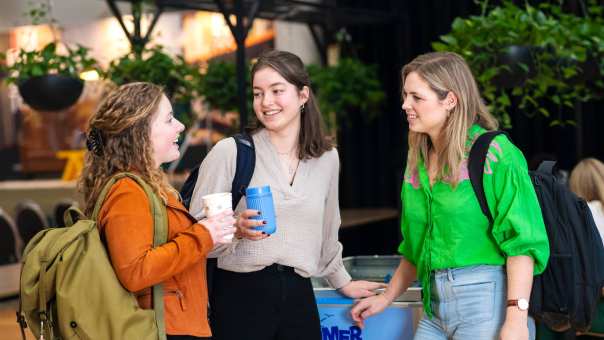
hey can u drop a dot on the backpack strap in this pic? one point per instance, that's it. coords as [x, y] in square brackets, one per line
[160, 236]
[547, 167]
[478, 155]
[246, 162]
[186, 191]
[70, 213]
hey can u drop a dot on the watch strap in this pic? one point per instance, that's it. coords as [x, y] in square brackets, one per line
[518, 304]
[511, 303]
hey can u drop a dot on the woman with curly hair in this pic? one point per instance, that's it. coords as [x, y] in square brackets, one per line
[134, 130]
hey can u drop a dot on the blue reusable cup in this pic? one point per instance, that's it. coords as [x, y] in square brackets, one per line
[261, 198]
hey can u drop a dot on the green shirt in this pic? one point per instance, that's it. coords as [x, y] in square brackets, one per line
[444, 227]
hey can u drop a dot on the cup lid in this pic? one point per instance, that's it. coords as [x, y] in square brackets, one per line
[258, 190]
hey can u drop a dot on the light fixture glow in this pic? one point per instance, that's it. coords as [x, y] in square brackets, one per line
[90, 75]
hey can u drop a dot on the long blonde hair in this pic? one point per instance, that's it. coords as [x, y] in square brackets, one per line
[118, 134]
[587, 180]
[448, 72]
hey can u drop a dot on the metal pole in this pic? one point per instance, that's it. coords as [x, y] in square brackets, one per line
[240, 34]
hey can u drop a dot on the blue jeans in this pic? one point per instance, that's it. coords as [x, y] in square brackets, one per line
[468, 304]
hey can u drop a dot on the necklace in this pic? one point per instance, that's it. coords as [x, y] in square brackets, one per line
[291, 163]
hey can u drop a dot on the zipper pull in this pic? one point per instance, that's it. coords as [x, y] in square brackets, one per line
[181, 296]
[41, 329]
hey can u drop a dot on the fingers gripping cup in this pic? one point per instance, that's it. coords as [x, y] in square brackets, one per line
[261, 198]
[214, 204]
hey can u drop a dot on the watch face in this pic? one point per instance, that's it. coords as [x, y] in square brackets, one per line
[523, 304]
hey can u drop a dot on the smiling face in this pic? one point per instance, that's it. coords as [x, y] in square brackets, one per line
[426, 113]
[165, 130]
[276, 101]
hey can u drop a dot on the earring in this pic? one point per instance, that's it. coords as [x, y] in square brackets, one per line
[302, 108]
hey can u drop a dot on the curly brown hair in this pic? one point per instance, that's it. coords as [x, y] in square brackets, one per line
[121, 128]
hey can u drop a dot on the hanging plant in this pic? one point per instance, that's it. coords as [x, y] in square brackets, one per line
[536, 54]
[48, 80]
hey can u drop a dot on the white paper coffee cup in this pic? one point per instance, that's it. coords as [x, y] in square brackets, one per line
[214, 204]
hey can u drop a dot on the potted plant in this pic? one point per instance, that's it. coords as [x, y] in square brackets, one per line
[535, 54]
[154, 65]
[48, 80]
[345, 88]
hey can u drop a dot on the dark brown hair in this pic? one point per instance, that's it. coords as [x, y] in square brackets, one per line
[313, 141]
[118, 136]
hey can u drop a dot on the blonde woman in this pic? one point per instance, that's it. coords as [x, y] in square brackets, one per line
[135, 130]
[587, 181]
[476, 277]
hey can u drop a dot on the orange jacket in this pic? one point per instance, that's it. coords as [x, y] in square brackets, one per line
[126, 226]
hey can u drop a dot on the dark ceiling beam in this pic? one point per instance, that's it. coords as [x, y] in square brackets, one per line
[136, 38]
[244, 21]
[320, 41]
[118, 15]
[293, 11]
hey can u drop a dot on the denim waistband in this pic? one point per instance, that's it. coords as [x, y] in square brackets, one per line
[451, 273]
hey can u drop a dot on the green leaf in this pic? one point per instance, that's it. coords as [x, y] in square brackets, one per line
[438, 46]
[449, 39]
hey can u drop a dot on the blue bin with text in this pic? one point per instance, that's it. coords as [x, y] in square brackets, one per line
[397, 322]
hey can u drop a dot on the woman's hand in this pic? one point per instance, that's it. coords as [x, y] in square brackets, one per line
[515, 326]
[220, 226]
[245, 226]
[367, 307]
[361, 289]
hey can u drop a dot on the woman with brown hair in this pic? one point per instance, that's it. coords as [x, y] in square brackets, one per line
[587, 181]
[262, 288]
[476, 276]
[134, 130]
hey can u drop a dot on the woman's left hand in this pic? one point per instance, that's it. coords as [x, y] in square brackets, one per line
[514, 329]
[361, 289]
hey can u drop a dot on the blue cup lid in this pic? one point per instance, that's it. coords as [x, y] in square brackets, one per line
[258, 191]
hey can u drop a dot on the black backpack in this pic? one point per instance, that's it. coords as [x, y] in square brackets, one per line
[246, 161]
[564, 297]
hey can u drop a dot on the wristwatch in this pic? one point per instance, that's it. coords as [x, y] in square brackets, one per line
[522, 304]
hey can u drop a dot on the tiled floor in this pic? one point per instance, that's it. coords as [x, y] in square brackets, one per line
[9, 329]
